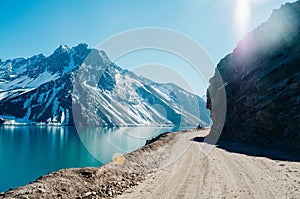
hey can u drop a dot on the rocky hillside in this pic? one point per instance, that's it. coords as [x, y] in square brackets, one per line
[82, 86]
[262, 82]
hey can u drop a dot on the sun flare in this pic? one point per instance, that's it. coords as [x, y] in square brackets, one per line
[242, 14]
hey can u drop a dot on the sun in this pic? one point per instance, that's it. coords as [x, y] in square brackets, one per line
[242, 14]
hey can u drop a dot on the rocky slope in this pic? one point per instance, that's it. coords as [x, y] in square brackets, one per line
[84, 83]
[262, 82]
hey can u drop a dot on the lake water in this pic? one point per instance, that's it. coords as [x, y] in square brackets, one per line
[27, 152]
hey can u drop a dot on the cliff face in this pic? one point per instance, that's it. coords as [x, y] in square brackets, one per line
[262, 82]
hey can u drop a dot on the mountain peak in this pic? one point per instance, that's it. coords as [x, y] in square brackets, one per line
[38, 56]
[82, 45]
[62, 49]
[48, 90]
[65, 47]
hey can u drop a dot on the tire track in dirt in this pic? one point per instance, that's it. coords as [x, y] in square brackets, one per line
[196, 175]
[169, 187]
[219, 174]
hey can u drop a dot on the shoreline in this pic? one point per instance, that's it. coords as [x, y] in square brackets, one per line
[116, 126]
[109, 170]
[173, 166]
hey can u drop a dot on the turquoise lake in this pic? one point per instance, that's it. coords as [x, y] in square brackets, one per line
[28, 152]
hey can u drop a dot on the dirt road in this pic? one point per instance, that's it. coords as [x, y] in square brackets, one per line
[218, 174]
[175, 166]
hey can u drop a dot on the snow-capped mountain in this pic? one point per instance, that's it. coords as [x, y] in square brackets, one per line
[82, 86]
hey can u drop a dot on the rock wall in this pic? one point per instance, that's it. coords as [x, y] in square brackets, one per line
[262, 82]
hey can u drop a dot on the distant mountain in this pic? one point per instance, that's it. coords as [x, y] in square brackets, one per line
[262, 83]
[82, 85]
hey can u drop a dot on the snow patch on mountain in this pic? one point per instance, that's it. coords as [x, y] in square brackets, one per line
[82, 86]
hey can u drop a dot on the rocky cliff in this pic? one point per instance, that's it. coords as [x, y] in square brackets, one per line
[262, 82]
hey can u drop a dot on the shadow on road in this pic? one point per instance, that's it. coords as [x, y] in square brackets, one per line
[252, 150]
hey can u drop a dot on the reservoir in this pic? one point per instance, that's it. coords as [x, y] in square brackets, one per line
[28, 152]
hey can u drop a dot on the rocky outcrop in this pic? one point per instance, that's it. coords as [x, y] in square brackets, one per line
[262, 82]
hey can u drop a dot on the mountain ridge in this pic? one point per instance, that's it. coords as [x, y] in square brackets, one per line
[47, 90]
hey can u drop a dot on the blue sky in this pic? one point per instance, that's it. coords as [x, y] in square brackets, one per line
[28, 27]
